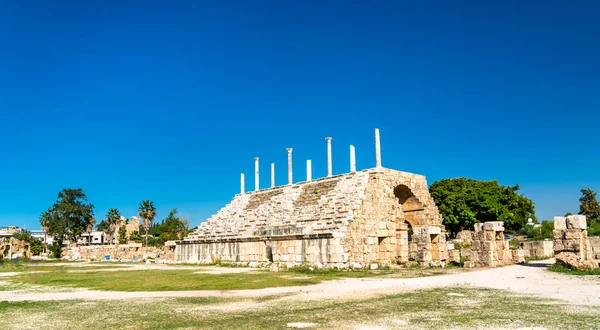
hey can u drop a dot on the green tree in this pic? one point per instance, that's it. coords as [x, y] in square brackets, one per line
[172, 227]
[464, 202]
[113, 217]
[68, 217]
[589, 206]
[147, 212]
[122, 235]
[136, 237]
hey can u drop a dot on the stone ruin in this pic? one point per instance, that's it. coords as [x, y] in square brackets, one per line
[11, 248]
[572, 248]
[132, 252]
[488, 247]
[359, 219]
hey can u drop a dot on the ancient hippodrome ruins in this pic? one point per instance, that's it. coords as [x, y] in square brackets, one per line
[356, 219]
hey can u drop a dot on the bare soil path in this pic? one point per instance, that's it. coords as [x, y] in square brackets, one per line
[531, 279]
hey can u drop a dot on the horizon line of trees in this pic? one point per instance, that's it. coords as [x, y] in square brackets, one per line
[71, 215]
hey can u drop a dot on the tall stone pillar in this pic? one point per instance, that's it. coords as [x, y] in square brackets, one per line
[242, 183]
[308, 170]
[256, 181]
[329, 161]
[272, 175]
[352, 159]
[377, 149]
[290, 178]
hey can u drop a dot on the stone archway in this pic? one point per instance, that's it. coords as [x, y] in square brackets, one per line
[409, 218]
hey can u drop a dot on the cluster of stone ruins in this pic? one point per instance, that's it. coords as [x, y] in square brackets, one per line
[358, 219]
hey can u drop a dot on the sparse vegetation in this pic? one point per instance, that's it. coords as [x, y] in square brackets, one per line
[564, 270]
[459, 307]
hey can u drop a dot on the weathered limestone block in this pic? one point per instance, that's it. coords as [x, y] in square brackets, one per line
[493, 225]
[576, 222]
[560, 223]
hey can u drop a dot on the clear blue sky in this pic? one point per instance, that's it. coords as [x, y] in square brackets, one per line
[170, 101]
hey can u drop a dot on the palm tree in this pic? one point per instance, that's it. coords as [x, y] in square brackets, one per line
[147, 212]
[112, 217]
[89, 226]
[44, 222]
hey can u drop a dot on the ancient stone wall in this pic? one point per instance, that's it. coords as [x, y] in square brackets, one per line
[362, 217]
[537, 249]
[121, 252]
[489, 249]
[571, 245]
[594, 246]
[11, 247]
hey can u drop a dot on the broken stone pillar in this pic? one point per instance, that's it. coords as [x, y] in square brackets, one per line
[571, 244]
[352, 159]
[308, 170]
[256, 181]
[242, 183]
[489, 249]
[290, 178]
[329, 160]
[272, 175]
[377, 149]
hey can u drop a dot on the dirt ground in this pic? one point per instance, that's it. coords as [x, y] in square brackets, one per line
[531, 279]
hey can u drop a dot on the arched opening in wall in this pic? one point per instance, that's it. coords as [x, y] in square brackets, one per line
[411, 215]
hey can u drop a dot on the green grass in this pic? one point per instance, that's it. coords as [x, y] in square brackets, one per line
[175, 280]
[456, 307]
[564, 270]
[47, 266]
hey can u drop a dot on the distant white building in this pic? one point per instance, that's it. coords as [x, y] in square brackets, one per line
[95, 238]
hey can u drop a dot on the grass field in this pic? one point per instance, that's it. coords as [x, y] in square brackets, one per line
[458, 307]
[188, 278]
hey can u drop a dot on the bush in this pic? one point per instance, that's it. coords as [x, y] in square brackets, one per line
[55, 250]
[538, 233]
[594, 229]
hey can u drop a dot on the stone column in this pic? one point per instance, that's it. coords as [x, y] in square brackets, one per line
[308, 170]
[290, 178]
[256, 181]
[242, 183]
[377, 149]
[352, 159]
[329, 161]
[272, 175]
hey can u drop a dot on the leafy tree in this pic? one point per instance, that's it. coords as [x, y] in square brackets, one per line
[68, 217]
[122, 235]
[568, 214]
[464, 202]
[172, 227]
[135, 236]
[589, 206]
[113, 217]
[147, 212]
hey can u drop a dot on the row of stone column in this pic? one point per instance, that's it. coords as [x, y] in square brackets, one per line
[309, 164]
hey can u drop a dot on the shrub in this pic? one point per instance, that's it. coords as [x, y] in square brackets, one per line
[594, 229]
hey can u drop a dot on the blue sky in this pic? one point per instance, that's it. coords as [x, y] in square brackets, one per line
[170, 101]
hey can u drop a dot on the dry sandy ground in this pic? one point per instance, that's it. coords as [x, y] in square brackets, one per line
[531, 279]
